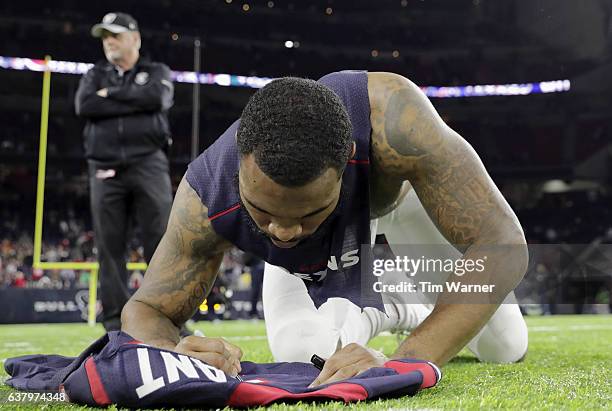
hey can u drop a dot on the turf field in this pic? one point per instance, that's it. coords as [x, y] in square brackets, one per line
[569, 366]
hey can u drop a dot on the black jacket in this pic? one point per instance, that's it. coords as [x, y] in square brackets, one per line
[132, 121]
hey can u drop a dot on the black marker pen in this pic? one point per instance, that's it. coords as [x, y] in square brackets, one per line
[317, 361]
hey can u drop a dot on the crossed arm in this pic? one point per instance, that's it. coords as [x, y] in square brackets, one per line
[156, 94]
[179, 277]
[89, 104]
[92, 101]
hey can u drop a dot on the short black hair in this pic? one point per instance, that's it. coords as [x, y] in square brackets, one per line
[297, 129]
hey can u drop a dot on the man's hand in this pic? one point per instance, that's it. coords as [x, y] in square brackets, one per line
[348, 362]
[213, 351]
[103, 92]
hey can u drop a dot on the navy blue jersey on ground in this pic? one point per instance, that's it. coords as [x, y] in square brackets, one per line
[330, 266]
[117, 369]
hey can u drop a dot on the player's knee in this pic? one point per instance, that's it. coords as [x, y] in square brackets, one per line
[298, 341]
[504, 351]
[503, 343]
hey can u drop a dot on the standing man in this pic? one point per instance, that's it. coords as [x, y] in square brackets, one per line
[125, 100]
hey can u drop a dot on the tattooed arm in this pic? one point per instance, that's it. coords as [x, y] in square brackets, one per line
[411, 142]
[179, 277]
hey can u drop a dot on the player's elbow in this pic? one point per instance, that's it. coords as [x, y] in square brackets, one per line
[504, 241]
[518, 252]
[129, 314]
[134, 313]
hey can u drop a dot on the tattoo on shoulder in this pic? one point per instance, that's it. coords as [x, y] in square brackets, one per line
[410, 141]
[397, 122]
[402, 126]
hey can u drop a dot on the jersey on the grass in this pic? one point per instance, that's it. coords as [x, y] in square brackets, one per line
[117, 369]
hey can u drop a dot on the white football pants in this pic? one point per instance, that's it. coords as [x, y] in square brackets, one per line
[296, 329]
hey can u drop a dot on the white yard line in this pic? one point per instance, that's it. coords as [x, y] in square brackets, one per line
[12, 349]
[585, 327]
[18, 344]
[247, 337]
[545, 328]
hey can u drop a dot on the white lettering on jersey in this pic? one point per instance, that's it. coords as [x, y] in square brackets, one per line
[303, 276]
[149, 384]
[212, 373]
[347, 259]
[173, 365]
[350, 258]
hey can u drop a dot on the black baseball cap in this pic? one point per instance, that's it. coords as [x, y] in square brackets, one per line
[115, 23]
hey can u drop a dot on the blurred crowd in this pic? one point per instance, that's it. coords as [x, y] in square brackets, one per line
[67, 237]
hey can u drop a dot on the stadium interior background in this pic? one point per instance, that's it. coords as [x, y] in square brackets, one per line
[549, 153]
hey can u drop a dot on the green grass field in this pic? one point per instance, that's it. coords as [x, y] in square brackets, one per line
[569, 366]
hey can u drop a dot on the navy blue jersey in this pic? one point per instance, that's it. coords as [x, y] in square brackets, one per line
[330, 266]
[117, 369]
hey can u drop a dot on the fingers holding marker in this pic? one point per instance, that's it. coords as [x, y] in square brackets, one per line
[234, 351]
[346, 363]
